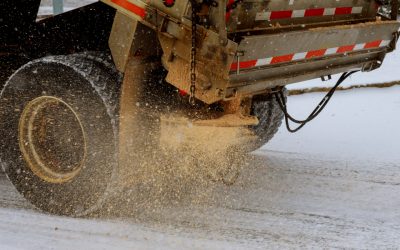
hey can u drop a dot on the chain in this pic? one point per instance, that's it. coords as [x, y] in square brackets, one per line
[193, 55]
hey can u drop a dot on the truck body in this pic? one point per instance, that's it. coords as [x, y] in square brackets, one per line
[91, 97]
[265, 44]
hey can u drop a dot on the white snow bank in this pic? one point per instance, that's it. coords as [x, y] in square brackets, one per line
[46, 7]
[48, 10]
[360, 124]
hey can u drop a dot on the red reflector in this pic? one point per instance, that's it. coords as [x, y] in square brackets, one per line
[182, 92]
[169, 3]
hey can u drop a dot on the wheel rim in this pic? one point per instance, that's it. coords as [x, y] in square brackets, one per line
[52, 139]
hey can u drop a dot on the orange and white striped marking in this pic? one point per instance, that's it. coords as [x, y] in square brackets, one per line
[308, 54]
[136, 7]
[287, 14]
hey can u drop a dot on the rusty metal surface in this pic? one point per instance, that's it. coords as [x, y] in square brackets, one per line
[213, 59]
[262, 37]
[213, 62]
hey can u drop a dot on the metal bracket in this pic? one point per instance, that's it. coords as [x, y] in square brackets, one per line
[326, 78]
[238, 55]
[393, 43]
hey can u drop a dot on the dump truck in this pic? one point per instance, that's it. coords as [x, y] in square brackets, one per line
[90, 92]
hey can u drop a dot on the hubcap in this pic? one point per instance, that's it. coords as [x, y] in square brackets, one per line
[52, 139]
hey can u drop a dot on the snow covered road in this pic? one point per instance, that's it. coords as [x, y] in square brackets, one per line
[296, 192]
[284, 200]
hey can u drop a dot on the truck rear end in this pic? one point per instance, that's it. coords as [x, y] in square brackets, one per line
[266, 43]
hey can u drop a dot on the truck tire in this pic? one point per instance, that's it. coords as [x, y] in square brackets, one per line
[270, 117]
[59, 130]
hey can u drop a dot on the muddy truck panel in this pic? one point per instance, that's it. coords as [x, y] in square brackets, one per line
[252, 15]
[249, 47]
[276, 60]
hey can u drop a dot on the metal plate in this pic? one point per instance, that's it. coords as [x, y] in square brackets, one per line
[295, 70]
[258, 14]
[270, 45]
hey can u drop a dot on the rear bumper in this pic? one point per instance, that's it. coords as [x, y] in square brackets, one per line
[270, 60]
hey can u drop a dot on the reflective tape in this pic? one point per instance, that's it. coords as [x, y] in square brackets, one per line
[309, 54]
[131, 7]
[287, 14]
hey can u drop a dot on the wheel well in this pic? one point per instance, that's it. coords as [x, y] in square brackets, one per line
[83, 29]
[80, 30]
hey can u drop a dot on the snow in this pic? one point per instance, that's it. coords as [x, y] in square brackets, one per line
[52, 232]
[358, 124]
[47, 9]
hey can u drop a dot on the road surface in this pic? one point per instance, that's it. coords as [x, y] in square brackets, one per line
[335, 184]
[281, 201]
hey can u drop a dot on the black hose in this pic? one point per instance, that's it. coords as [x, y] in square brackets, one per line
[280, 98]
